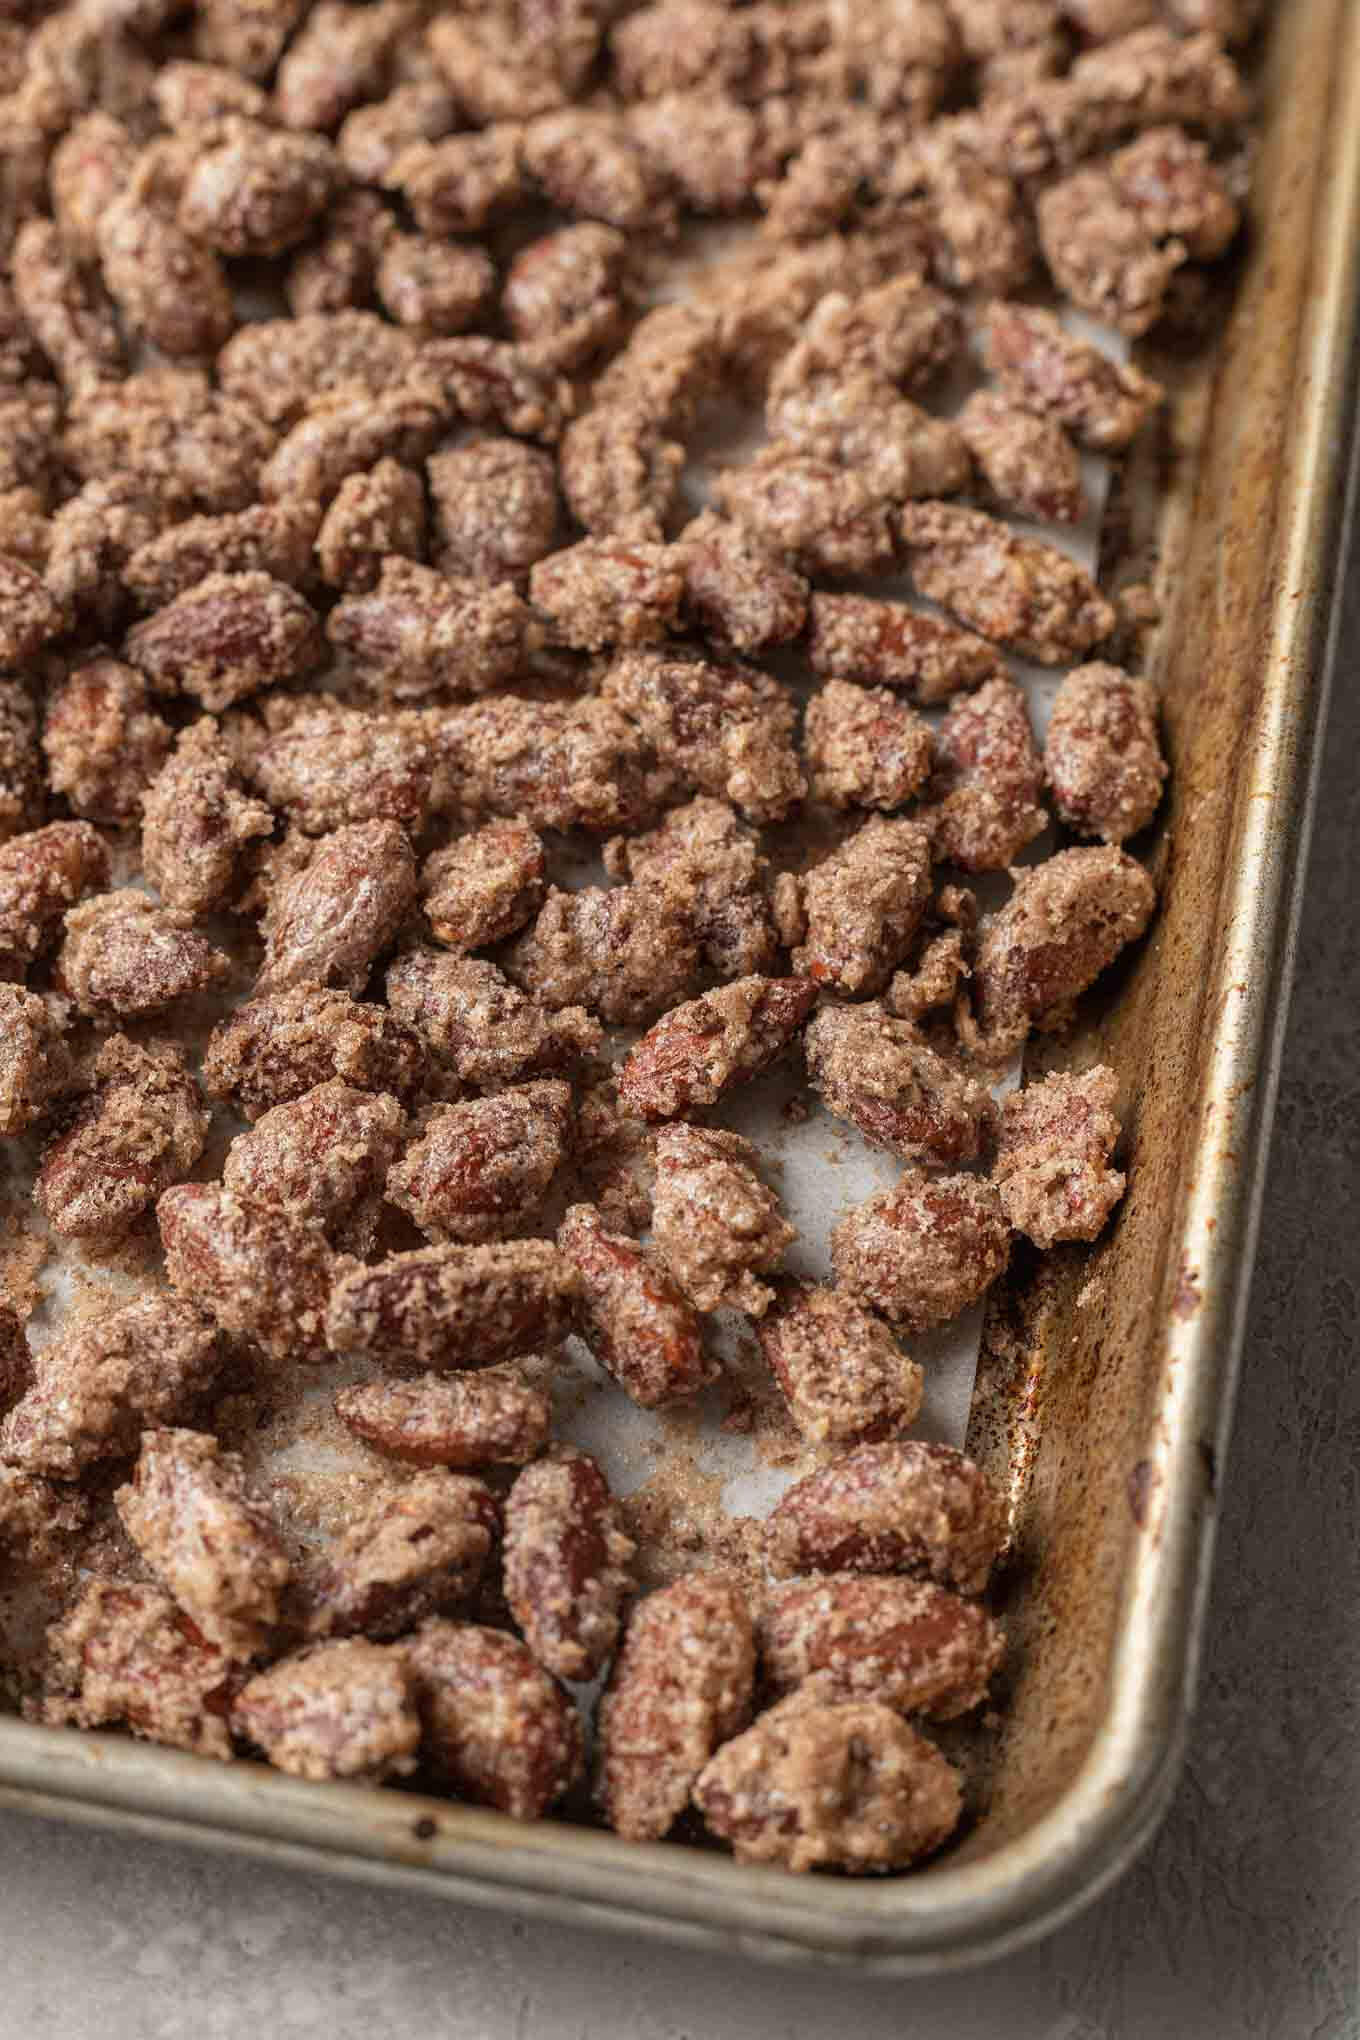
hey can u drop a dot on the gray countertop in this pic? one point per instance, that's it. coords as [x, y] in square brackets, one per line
[1241, 1921]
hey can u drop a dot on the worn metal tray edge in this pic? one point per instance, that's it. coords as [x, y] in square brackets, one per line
[968, 1911]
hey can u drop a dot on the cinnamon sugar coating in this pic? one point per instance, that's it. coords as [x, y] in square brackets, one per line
[30, 615]
[564, 293]
[1027, 461]
[460, 183]
[90, 165]
[373, 515]
[103, 742]
[273, 1049]
[626, 953]
[267, 538]
[42, 873]
[460, 1420]
[23, 801]
[631, 1314]
[262, 1274]
[495, 508]
[482, 1027]
[923, 1251]
[864, 747]
[322, 1158]
[39, 1521]
[198, 821]
[515, 62]
[335, 1710]
[1102, 757]
[818, 1785]
[619, 471]
[738, 592]
[715, 1224]
[374, 136]
[699, 1051]
[330, 921]
[419, 632]
[193, 95]
[89, 540]
[127, 1653]
[725, 727]
[709, 860]
[1017, 591]
[843, 1375]
[861, 638]
[906, 1644]
[681, 1685]
[254, 190]
[141, 1128]
[567, 1563]
[454, 1306]
[65, 308]
[880, 1074]
[226, 638]
[1066, 922]
[35, 1064]
[433, 286]
[168, 436]
[282, 367]
[982, 804]
[1053, 1171]
[169, 289]
[904, 1507]
[482, 1169]
[608, 591]
[97, 1388]
[496, 1730]
[339, 57]
[1104, 404]
[862, 905]
[350, 430]
[124, 957]
[494, 382]
[335, 271]
[615, 1156]
[412, 1551]
[193, 1519]
[556, 765]
[246, 38]
[823, 518]
[483, 886]
[589, 163]
[325, 767]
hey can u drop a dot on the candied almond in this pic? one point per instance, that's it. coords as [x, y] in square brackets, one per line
[863, 904]
[123, 957]
[334, 1710]
[254, 190]
[141, 1128]
[103, 742]
[495, 508]
[227, 637]
[865, 639]
[815, 1785]
[738, 592]
[626, 952]
[35, 1064]
[923, 1251]
[482, 1168]
[632, 1316]
[563, 293]
[1066, 921]
[1052, 1165]
[42, 874]
[374, 514]
[725, 727]
[681, 1685]
[273, 1049]
[97, 1387]
[454, 1306]
[1018, 591]
[864, 747]
[982, 804]
[907, 1644]
[191, 1516]
[843, 1375]
[325, 767]
[458, 1420]
[902, 1507]
[322, 1158]
[1103, 403]
[697, 1052]
[567, 1562]
[197, 821]
[715, 1225]
[880, 1074]
[1027, 461]
[329, 921]
[484, 886]
[494, 1727]
[412, 1551]
[608, 591]
[420, 632]
[267, 538]
[125, 1652]
[480, 1026]
[261, 1273]
[710, 860]
[1102, 757]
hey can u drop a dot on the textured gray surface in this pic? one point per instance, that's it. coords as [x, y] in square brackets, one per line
[1240, 1924]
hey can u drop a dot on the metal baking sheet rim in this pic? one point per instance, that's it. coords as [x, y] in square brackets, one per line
[970, 1911]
